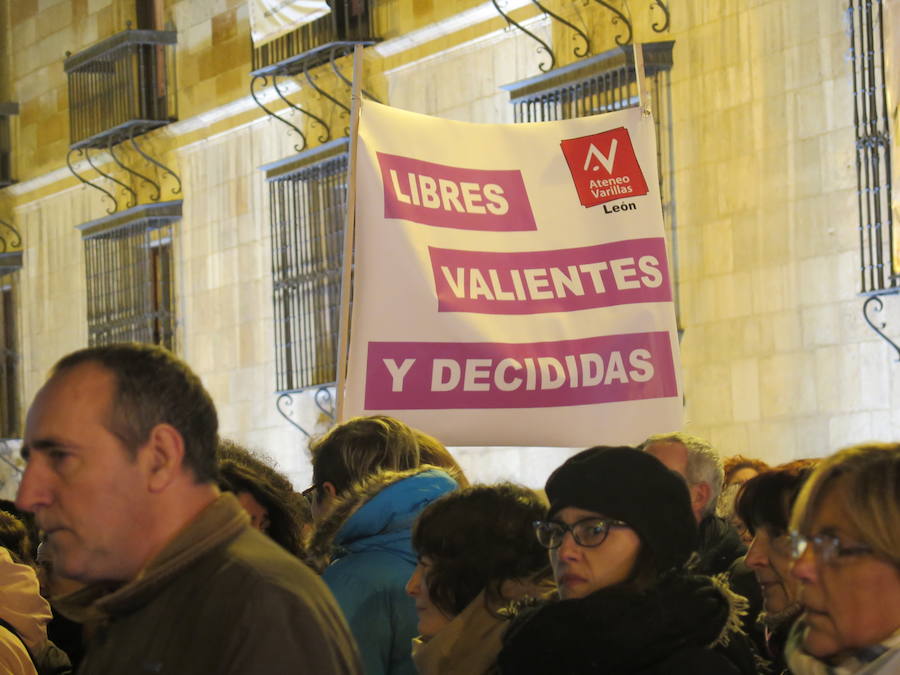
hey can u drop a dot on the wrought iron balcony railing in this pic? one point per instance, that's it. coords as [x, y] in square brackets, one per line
[326, 40]
[121, 87]
[311, 45]
[307, 204]
[590, 86]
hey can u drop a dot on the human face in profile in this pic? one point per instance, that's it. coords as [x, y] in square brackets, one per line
[851, 599]
[431, 618]
[769, 556]
[88, 491]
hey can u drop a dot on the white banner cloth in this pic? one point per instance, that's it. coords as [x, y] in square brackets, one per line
[511, 283]
[270, 19]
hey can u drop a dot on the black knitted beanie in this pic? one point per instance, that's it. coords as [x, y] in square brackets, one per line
[632, 486]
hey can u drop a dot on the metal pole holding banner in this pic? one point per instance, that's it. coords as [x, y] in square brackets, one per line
[640, 74]
[349, 236]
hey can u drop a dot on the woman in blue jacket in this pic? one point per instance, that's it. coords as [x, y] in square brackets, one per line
[368, 489]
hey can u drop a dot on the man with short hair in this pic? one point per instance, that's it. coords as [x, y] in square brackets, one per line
[120, 445]
[701, 467]
[720, 548]
[697, 462]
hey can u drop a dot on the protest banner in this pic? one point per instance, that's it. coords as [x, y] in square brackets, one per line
[511, 282]
[270, 19]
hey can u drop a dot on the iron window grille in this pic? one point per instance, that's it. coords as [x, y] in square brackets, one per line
[307, 204]
[6, 110]
[604, 83]
[879, 269]
[120, 87]
[130, 272]
[350, 21]
[10, 403]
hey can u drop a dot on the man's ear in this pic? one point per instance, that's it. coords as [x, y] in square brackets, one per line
[700, 495]
[162, 456]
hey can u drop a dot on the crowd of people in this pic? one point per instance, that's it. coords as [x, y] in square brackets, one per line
[141, 542]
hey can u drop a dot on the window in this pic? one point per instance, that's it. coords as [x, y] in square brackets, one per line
[879, 267]
[130, 276]
[9, 355]
[6, 176]
[161, 302]
[307, 202]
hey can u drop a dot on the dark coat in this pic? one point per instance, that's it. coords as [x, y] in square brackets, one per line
[221, 598]
[683, 625]
[719, 546]
[773, 644]
[721, 550]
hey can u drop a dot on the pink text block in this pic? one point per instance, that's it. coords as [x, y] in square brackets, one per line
[446, 375]
[456, 197]
[564, 280]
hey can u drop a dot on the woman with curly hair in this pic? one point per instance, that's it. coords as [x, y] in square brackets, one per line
[740, 469]
[267, 496]
[477, 558]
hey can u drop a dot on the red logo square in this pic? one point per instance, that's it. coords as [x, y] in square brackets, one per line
[604, 167]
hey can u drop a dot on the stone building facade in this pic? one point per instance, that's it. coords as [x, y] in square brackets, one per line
[759, 145]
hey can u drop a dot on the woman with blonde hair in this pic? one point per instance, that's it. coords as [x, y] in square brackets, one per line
[845, 541]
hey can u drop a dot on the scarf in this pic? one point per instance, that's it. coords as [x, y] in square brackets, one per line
[616, 630]
[880, 659]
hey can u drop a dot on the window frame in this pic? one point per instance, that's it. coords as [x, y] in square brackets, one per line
[10, 347]
[307, 235]
[10, 355]
[124, 284]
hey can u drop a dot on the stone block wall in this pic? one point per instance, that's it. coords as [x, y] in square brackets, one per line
[777, 360]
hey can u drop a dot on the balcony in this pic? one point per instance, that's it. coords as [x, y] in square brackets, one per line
[315, 43]
[121, 87]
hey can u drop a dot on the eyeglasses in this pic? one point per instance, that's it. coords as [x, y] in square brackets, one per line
[828, 547]
[588, 532]
[310, 491]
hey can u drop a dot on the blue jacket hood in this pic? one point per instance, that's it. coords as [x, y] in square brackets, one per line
[366, 538]
[378, 514]
[386, 520]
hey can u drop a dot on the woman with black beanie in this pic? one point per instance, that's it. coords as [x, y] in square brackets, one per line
[620, 532]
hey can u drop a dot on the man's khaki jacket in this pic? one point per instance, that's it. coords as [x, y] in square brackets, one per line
[220, 599]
